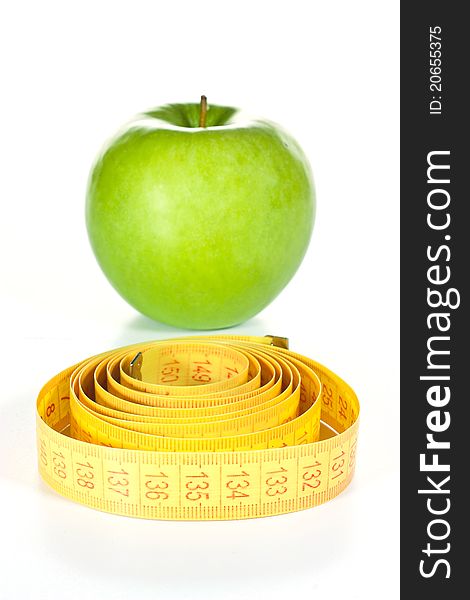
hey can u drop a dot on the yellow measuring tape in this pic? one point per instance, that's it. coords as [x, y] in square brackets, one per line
[219, 427]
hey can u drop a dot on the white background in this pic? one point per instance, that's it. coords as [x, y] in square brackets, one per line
[72, 72]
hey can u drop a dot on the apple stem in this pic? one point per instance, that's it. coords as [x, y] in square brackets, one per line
[203, 111]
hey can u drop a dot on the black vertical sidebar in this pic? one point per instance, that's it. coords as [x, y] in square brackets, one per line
[435, 269]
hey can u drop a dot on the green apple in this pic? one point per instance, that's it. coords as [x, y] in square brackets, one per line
[198, 215]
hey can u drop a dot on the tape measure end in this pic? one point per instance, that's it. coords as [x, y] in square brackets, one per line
[279, 341]
[135, 366]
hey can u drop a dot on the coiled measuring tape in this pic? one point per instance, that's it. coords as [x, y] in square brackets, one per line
[219, 427]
